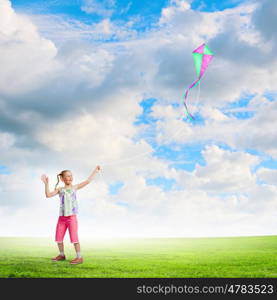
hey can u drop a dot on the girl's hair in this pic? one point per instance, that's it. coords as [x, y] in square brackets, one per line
[61, 174]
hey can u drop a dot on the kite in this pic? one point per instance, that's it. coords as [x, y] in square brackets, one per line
[202, 57]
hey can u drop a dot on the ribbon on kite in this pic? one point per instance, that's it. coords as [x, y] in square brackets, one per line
[202, 57]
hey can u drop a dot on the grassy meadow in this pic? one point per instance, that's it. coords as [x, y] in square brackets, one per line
[254, 256]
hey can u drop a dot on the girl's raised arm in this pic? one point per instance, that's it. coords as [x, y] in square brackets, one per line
[90, 178]
[48, 194]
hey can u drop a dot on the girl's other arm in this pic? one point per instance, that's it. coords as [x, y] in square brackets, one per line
[90, 178]
[48, 194]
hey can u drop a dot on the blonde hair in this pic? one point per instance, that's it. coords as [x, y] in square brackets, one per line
[61, 174]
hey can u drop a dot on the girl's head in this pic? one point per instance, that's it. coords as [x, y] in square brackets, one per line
[65, 176]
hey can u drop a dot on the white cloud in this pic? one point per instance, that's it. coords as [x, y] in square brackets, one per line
[102, 8]
[94, 135]
[66, 29]
[257, 132]
[268, 175]
[6, 140]
[25, 56]
[225, 172]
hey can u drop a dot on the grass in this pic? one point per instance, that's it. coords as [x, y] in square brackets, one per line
[230, 257]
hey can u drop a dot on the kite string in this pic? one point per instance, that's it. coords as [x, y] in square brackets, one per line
[152, 150]
[135, 156]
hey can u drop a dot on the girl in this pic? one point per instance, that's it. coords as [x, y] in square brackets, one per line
[68, 211]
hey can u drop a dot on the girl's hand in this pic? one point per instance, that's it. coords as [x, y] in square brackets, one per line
[97, 169]
[44, 178]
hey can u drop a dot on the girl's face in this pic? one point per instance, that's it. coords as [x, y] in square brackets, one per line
[67, 178]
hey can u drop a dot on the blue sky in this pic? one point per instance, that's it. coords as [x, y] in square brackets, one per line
[4, 170]
[78, 98]
[148, 12]
[214, 5]
[143, 13]
[122, 9]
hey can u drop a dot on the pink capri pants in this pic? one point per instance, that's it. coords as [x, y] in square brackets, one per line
[65, 222]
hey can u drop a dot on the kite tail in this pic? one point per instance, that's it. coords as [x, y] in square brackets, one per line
[187, 111]
[185, 98]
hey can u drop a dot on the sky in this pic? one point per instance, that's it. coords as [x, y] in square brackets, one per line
[86, 83]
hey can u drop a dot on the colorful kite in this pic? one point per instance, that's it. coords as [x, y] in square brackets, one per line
[202, 57]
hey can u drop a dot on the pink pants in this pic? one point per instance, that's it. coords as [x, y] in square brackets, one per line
[69, 222]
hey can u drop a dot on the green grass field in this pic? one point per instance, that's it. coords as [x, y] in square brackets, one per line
[143, 258]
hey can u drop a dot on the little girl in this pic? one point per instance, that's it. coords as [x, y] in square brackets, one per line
[68, 211]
